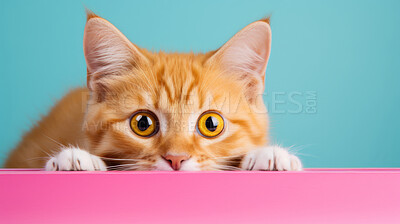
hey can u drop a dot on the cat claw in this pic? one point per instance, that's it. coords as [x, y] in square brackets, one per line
[75, 159]
[271, 158]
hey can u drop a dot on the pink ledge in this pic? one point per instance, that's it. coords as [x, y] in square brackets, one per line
[312, 196]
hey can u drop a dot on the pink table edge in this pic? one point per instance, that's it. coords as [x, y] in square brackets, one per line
[361, 195]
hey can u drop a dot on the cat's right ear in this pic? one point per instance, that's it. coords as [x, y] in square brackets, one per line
[107, 51]
[245, 57]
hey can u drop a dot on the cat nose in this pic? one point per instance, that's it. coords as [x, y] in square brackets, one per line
[175, 161]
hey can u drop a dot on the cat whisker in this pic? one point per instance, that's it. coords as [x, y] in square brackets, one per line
[227, 157]
[224, 157]
[129, 166]
[118, 159]
[123, 167]
[303, 154]
[296, 149]
[44, 151]
[38, 158]
[53, 140]
[226, 167]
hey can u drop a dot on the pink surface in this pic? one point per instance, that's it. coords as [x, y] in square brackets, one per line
[312, 196]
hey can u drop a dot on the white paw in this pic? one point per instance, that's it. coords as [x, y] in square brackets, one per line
[271, 158]
[75, 159]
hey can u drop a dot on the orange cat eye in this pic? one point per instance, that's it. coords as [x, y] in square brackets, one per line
[144, 123]
[210, 124]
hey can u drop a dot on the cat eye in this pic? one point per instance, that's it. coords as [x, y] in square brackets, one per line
[144, 123]
[210, 124]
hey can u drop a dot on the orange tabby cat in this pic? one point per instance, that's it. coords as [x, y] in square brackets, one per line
[158, 111]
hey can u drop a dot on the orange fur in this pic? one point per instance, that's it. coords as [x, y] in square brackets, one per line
[177, 88]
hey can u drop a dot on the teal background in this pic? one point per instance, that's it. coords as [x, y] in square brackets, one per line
[347, 52]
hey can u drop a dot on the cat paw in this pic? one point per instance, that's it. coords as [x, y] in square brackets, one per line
[75, 159]
[271, 158]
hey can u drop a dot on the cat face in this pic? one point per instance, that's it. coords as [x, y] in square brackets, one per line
[159, 111]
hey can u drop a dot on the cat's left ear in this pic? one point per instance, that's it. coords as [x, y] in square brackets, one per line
[245, 56]
[107, 52]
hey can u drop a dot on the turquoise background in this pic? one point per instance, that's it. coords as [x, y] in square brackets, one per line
[345, 52]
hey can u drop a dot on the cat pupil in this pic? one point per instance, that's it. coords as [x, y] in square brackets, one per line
[211, 123]
[143, 123]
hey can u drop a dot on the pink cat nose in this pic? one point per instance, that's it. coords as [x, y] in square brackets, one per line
[175, 161]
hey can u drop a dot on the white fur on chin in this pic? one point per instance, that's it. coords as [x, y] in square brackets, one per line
[187, 165]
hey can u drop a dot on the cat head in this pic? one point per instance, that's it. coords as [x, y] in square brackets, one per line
[173, 111]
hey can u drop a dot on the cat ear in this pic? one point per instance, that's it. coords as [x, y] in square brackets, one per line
[245, 56]
[107, 50]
